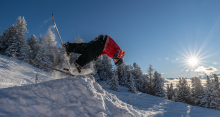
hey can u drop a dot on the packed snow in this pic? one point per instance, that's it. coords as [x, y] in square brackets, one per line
[78, 96]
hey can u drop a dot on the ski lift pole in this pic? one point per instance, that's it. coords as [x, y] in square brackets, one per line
[57, 30]
[60, 39]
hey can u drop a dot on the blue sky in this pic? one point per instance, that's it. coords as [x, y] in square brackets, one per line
[156, 32]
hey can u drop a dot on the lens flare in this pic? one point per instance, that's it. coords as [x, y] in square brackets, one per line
[193, 58]
[193, 61]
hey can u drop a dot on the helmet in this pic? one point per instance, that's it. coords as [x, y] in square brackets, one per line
[119, 62]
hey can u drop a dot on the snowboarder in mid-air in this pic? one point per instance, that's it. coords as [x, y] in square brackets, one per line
[103, 44]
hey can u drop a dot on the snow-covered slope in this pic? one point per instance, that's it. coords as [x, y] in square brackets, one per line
[17, 73]
[78, 96]
[160, 107]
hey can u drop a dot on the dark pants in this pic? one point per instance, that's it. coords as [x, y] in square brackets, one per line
[89, 51]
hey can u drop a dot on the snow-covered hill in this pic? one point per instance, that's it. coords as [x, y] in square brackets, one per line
[14, 72]
[78, 96]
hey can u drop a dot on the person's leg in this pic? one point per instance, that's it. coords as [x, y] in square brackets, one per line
[78, 48]
[93, 50]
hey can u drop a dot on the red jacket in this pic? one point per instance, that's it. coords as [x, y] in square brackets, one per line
[111, 47]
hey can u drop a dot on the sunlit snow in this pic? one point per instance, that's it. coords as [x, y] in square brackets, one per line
[79, 96]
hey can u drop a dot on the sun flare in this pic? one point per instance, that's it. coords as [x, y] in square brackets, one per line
[193, 61]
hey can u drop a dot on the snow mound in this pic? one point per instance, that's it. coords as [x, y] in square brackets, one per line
[78, 96]
[14, 72]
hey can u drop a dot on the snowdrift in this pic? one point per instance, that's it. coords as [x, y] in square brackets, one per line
[78, 96]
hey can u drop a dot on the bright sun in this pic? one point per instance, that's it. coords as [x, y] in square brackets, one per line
[193, 61]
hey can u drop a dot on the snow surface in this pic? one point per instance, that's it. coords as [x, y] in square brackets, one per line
[78, 96]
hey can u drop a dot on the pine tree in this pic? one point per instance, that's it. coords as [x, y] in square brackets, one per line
[62, 58]
[140, 83]
[183, 92]
[145, 84]
[174, 97]
[41, 40]
[98, 69]
[216, 91]
[208, 98]
[106, 65]
[43, 58]
[197, 91]
[33, 46]
[158, 84]
[114, 84]
[7, 38]
[138, 77]
[122, 74]
[131, 84]
[14, 41]
[127, 74]
[150, 83]
[170, 92]
[49, 39]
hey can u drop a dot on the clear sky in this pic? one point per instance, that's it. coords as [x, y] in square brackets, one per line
[163, 33]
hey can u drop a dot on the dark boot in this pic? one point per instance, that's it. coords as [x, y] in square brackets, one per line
[68, 54]
[78, 67]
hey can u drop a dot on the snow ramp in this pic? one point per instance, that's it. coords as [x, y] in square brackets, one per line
[78, 96]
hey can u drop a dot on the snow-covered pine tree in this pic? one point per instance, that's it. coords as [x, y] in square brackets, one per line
[107, 70]
[197, 90]
[43, 58]
[216, 91]
[98, 68]
[209, 98]
[122, 74]
[150, 83]
[138, 77]
[34, 46]
[131, 84]
[183, 92]
[168, 96]
[145, 84]
[124, 80]
[136, 71]
[140, 83]
[114, 84]
[51, 42]
[158, 84]
[6, 36]
[174, 98]
[14, 41]
[170, 92]
[41, 40]
[62, 58]
[127, 72]
[50, 38]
